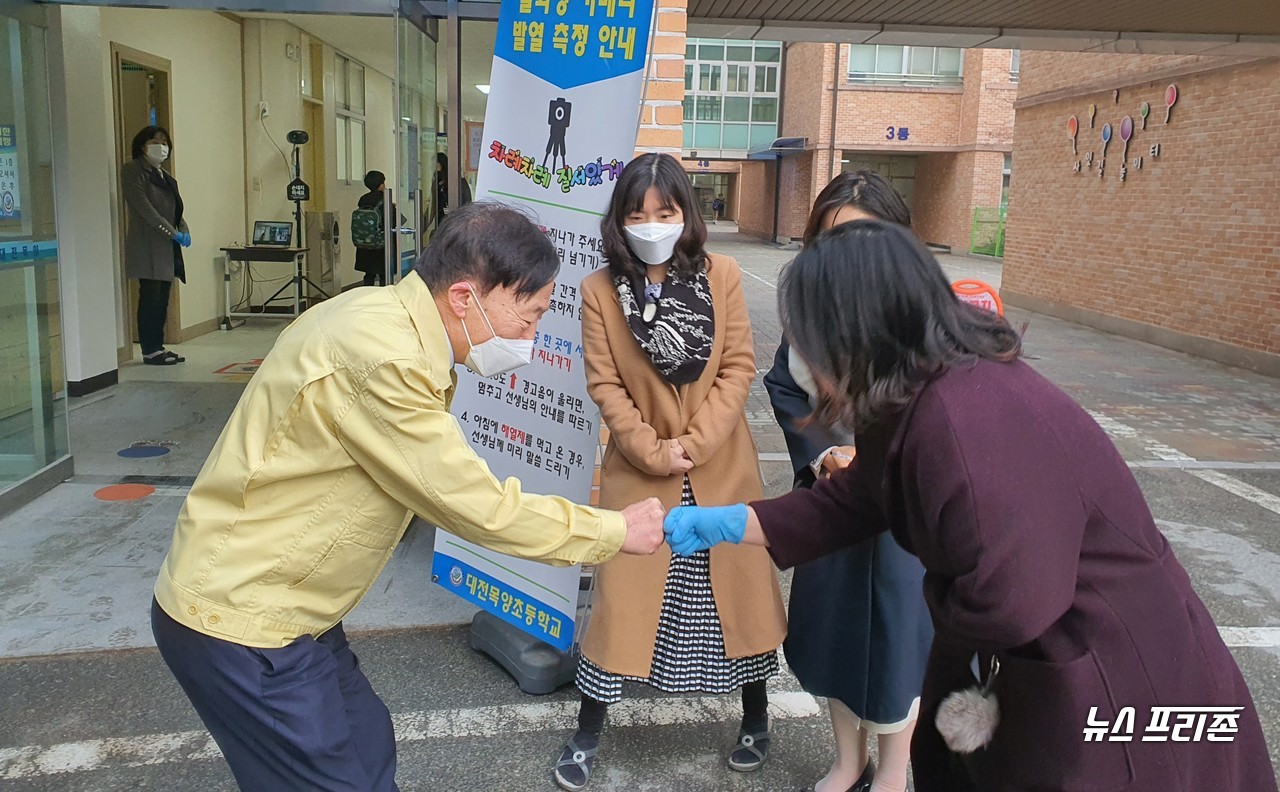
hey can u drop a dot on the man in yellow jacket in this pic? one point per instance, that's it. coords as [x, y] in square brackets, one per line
[342, 435]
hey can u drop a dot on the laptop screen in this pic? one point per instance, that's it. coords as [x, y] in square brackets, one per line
[273, 233]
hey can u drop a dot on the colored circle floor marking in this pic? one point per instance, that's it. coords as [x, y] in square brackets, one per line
[124, 492]
[142, 452]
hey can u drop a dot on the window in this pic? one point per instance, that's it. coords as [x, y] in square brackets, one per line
[768, 53]
[1008, 171]
[737, 108]
[1015, 65]
[765, 109]
[892, 65]
[731, 102]
[737, 78]
[348, 80]
[766, 79]
[708, 108]
[709, 78]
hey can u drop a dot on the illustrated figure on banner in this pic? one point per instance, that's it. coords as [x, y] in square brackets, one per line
[559, 113]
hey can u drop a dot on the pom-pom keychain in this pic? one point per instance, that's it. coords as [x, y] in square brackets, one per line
[968, 718]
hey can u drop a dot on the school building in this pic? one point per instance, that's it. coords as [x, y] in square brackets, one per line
[936, 121]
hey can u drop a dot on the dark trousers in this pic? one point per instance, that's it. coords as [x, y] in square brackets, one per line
[299, 717]
[153, 311]
[376, 278]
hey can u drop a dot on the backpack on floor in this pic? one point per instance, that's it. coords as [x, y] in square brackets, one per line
[368, 228]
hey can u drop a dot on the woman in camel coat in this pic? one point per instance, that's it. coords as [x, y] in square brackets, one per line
[675, 410]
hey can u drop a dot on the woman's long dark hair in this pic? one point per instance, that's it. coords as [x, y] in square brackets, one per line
[664, 172]
[871, 312]
[865, 190]
[145, 136]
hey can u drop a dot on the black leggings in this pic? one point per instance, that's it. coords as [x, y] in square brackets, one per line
[755, 710]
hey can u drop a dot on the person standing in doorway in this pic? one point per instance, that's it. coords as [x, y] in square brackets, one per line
[369, 231]
[155, 236]
[717, 209]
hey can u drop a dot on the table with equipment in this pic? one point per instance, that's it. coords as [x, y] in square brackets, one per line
[261, 254]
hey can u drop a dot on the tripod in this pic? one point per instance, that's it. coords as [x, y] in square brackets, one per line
[298, 192]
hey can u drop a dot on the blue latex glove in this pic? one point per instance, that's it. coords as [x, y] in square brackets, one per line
[693, 528]
[182, 238]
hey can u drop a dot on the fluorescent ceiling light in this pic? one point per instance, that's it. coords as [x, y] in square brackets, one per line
[484, 89]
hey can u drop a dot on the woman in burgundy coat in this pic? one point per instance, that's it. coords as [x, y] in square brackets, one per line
[1042, 560]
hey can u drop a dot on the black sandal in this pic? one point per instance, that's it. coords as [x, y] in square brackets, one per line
[571, 759]
[751, 752]
[165, 358]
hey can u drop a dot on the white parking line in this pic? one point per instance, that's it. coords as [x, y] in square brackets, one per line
[1261, 637]
[1169, 455]
[757, 277]
[35, 761]
[1240, 489]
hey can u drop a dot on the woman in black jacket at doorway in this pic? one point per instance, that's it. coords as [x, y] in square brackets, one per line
[155, 235]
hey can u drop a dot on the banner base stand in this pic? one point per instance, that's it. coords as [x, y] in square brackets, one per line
[537, 667]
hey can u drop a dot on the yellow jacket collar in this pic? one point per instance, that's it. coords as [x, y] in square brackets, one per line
[425, 315]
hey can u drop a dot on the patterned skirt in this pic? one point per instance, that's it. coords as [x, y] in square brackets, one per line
[688, 652]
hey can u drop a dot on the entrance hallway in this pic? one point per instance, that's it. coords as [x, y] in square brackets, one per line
[76, 572]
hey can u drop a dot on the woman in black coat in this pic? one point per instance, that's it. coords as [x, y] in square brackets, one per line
[858, 631]
[155, 236]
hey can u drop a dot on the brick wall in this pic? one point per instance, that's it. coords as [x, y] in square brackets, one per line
[1190, 243]
[662, 119]
[960, 135]
[806, 92]
[755, 207]
[1049, 72]
[931, 116]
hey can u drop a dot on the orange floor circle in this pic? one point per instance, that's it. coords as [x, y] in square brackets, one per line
[124, 492]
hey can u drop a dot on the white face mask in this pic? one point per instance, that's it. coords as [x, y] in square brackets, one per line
[157, 153]
[498, 355]
[654, 243]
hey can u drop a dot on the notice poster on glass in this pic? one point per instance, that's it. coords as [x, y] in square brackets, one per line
[561, 124]
[10, 189]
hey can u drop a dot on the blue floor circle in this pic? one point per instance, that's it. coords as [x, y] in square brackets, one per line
[142, 452]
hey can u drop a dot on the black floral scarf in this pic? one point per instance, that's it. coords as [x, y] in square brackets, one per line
[675, 324]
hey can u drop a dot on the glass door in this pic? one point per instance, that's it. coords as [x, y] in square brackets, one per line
[417, 122]
[33, 429]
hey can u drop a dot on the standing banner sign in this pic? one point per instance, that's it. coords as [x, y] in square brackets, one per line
[564, 111]
[10, 191]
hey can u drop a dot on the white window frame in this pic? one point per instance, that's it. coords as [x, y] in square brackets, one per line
[903, 75]
[349, 118]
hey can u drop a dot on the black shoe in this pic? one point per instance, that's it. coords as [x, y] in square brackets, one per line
[863, 784]
[751, 751]
[163, 358]
[573, 770]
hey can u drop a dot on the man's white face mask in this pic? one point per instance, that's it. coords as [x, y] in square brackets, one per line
[498, 355]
